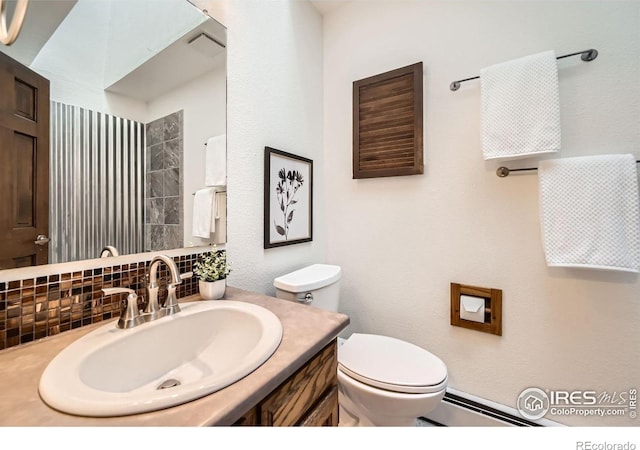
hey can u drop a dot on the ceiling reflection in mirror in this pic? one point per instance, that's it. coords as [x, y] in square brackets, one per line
[137, 89]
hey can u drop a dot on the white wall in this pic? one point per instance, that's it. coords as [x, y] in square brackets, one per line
[274, 65]
[74, 61]
[96, 45]
[140, 29]
[203, 101]
[401, 241]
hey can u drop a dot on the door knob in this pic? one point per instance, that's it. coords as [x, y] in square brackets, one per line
[41, 239]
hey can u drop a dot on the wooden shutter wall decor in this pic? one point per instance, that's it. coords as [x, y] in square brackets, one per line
[387, 124]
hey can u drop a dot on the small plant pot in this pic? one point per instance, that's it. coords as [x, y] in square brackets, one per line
[212, 290]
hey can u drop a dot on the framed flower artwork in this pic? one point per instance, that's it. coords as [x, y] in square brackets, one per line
[288, 198]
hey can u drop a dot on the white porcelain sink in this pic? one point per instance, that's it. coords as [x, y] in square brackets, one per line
[205, 347]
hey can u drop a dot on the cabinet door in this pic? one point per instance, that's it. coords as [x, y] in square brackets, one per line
[326, 413]
[291, 402]
[250, 419]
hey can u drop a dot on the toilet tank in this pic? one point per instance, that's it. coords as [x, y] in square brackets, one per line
[317, 285]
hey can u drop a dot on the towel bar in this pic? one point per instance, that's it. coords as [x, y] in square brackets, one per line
[217, 192]
[505, 171]
[586, 55]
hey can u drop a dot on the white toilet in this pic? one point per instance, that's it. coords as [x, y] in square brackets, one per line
[382, 381]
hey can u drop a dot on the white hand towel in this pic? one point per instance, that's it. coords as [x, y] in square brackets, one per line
[520, 107]
[204, 213]
[589, 212]
[216, 161]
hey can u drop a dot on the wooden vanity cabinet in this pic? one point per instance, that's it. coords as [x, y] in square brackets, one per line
[308, 398]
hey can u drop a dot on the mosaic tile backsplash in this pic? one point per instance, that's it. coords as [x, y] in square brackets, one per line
[34, 308]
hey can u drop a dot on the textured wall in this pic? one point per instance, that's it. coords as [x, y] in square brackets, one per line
[274, 73]
[401, 241]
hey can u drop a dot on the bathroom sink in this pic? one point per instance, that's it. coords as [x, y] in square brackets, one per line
[202, 349]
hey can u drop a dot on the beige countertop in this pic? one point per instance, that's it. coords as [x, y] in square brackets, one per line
[306, 330]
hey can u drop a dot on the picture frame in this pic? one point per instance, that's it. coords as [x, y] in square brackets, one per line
[288, 198]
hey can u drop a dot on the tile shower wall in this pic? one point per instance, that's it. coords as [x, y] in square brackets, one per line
[34, 308]
[164, 203]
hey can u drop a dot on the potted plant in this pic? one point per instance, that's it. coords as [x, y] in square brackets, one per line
[212, 269]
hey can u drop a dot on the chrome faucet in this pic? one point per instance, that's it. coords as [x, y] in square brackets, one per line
[170, 305]
[131, 316]
[109, 250]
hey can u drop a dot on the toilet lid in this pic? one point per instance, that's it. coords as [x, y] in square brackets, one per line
[391, 364]
[308, 278]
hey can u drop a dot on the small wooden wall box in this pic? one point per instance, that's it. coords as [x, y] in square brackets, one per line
[492, 308]
[387, 124]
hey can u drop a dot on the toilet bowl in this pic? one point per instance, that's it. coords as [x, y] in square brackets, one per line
[382, 381]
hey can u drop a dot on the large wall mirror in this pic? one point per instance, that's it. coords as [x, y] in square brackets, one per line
[136, 117]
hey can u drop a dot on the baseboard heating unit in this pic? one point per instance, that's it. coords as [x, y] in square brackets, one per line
[464, 410]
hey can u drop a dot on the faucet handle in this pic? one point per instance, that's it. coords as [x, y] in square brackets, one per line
[129, 313]
[186, 275]
[118, 290]
[171, 305]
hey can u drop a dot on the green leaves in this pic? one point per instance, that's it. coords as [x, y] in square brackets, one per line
[212, 266]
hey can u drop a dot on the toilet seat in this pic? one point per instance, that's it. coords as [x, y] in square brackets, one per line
[391, 364]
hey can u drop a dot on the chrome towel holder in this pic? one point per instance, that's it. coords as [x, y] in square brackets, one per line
[585, 55]
[505, 171]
